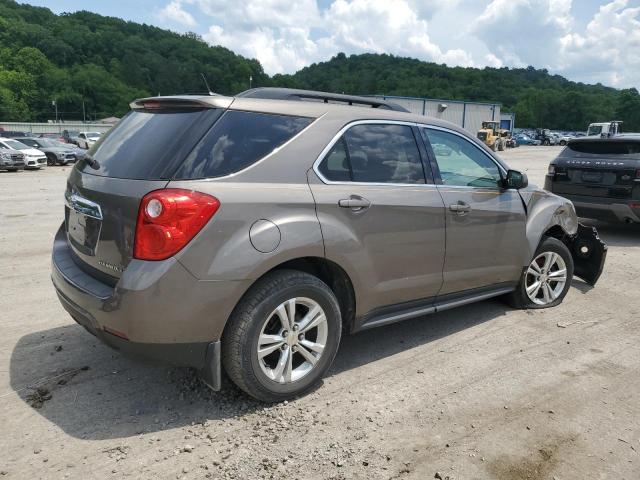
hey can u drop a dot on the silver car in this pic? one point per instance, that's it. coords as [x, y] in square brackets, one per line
[250, 233]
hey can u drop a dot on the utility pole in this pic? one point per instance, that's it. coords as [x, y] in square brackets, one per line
[84, 117]
[55, 104]
[250, 80]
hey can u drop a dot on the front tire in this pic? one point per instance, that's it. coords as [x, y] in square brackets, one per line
[547, 279]
[283, 336]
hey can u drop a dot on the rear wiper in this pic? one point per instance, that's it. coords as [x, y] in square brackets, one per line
[92, 162]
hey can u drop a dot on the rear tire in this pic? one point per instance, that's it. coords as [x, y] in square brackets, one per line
[282, 336]
[543, 284]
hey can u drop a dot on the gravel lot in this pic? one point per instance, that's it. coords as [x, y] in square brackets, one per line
[481, 392]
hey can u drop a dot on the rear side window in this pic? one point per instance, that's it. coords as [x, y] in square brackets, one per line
[238, 140]
[149, 145]
[335, 166]
[374, 153]
[603, 147]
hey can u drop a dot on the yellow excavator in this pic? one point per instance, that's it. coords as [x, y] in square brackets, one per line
[493, 136]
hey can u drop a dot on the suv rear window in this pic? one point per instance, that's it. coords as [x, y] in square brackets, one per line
[147, 145]
[238, 140]
[604, 147]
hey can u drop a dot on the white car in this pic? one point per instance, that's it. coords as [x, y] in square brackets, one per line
[33, 158]
[87, 139]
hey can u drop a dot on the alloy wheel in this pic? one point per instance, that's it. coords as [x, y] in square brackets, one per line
[546, 278]
[292, 340]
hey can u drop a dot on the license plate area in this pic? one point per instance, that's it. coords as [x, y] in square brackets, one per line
[83, 221]
[592, 177]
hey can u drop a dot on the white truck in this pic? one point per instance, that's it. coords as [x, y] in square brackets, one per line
[604, 129]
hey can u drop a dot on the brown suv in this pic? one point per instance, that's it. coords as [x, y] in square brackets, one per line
[250, 232]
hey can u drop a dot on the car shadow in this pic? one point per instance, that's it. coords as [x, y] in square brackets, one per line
[92, 392]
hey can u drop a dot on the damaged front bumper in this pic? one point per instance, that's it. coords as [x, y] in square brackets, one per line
[589, 254]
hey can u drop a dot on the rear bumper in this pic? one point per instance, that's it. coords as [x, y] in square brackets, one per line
[622, 212]
[600, 208]
[157, 310]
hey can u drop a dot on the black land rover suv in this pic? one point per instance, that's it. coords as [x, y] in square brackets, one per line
[601, 176]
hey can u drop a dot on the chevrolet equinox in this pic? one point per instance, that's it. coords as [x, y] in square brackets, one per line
[249, 233]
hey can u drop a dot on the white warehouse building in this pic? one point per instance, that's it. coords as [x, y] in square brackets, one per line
[468, 115]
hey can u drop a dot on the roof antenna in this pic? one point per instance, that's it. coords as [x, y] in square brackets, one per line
[207, 84]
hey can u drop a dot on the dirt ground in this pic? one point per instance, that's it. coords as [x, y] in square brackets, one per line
[481, 392]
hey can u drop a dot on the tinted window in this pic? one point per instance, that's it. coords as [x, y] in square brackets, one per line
[238, 140]
[149, 144]
[335, 166]
[383, 154]
[460, 162]
[603, 147]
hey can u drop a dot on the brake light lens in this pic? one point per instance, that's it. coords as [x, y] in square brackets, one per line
[169, 219]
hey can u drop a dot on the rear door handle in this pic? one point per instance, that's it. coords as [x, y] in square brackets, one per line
[354, 203]
[460, 208]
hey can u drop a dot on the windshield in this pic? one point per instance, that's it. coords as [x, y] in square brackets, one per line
[595, 130]
[94, 135]
[14, 144]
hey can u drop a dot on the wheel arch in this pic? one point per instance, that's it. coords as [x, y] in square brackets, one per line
[330, 273]
[548, 215]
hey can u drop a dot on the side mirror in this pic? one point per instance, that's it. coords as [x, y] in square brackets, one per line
[515, 179]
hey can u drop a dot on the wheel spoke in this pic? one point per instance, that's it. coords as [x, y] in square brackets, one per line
[288, 369]
[312, 319]
[549, 259]
[263, 352]
[266, 339]
[283, 315]
[546, 293]
[283, 361]
[308, 356]
[534, 268]
[558, 275]
[534, 287]
[315, 347]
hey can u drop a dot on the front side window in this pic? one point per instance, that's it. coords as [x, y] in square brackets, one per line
[375, 153]
[460, 162]
[237, 140]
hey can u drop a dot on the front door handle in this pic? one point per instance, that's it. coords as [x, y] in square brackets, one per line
[461, 208]
[354, 203]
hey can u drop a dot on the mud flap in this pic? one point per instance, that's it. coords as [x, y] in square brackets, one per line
[589, 254]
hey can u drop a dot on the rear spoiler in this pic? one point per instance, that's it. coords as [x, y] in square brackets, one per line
[181, 101]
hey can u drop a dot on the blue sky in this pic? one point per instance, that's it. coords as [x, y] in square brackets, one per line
[585, 40]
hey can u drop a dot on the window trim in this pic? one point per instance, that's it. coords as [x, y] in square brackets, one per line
[433, 160]
[325, 151]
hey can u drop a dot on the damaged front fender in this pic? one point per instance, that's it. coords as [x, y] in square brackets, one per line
[589, 254]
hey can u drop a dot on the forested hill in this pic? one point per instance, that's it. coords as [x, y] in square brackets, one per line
[106, 62]
[536, 97]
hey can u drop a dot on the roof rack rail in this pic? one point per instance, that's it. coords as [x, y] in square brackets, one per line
[275, 93]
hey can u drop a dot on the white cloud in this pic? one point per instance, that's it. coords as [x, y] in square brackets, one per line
[609, 50]
[173, 12]
[286, 36]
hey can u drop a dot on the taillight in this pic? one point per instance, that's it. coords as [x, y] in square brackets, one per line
[638, 175]
[552, 169]
[169, 219]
